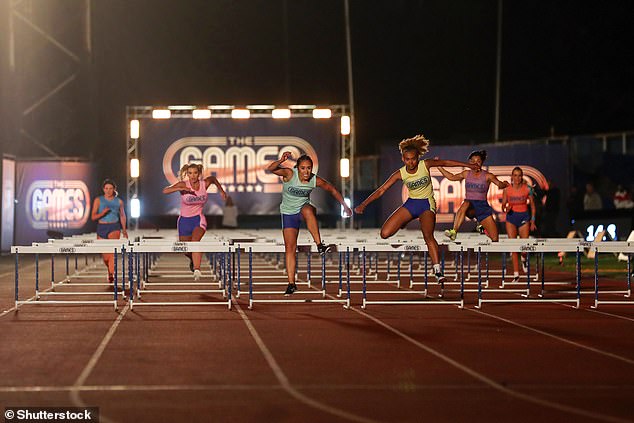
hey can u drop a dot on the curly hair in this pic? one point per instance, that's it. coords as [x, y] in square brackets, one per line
[183, 172]
[418, 143]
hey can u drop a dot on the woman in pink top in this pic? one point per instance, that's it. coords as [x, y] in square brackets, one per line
[475, 204]
[191, 222]
[515, 201]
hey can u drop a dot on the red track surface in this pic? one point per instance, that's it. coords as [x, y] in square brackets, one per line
[319, 362]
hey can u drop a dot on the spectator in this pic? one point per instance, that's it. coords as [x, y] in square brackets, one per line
[229, 214]
[592, 199]
[623, 198]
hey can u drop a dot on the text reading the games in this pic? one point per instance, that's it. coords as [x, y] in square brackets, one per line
[58, 204]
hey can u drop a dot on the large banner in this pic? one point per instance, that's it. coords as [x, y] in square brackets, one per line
[540, 163]
[8, 202]
[52, 196]
[236, 152]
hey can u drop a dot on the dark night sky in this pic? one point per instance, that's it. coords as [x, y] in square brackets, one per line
[419, 66]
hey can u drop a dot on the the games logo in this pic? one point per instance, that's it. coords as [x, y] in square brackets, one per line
[450, 194]
[238, 162]
[55, 204]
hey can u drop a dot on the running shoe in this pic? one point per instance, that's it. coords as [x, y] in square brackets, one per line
[440, 278]
[110, 277]
[451, 234]
[197, 274]
[290, 289]
[516, 279]
[480, 228]
[524, 266]
[323, 248]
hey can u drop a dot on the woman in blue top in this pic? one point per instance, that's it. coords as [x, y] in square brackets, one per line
[298, 183]
[109, 211]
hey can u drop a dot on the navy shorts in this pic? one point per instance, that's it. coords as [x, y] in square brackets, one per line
[518, 218]
[105, 229]
[416, 206]
[481, 209]
[291, 220]
[186, 225]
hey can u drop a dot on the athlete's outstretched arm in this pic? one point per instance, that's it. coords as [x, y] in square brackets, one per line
[327, 186]
[213, 180]
[275, 167]
[494, 179]
[175, 187]
[396, 176]
[449, 163]
[451, 176]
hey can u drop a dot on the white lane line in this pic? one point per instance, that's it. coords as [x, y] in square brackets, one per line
[75, 390]
[490, 382]
[559, 338]
[618, 316]
[286, 385]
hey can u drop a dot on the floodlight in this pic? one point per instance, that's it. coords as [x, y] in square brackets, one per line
[135, 208]
[322, 113]
[240, 114]
[161, 114]
[344, 168]
[201, 114]
[134, 129]
[281, 113]
[134, 168]
[345, 125]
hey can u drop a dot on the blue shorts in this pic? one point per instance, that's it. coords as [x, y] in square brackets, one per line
[518, 218]
[186, 225]
[416, 206]
[481, 209]
[105, 229]
[291, 220]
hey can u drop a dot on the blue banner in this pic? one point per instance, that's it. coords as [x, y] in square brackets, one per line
[236, 152]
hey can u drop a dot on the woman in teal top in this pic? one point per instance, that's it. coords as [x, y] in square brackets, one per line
[298, 183]
[109, 211]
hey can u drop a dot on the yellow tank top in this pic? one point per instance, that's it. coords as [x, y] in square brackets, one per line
[418, 184]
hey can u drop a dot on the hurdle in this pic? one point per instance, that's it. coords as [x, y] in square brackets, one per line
[390, 247]
[138, 260]
[616, 247]
[61, 248]
[528, 247]
[266, 248]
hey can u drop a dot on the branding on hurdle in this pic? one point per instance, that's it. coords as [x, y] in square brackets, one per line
[528, 248]
[180, 249]
[237, 162]
[58, 204]
[67, 250]
[412, 247]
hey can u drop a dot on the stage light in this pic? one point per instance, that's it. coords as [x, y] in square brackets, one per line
[135, 208]
[302, 106]
[344, 168]
[345, 125]
[181, 107]
[201, 114]
[322, 113]
[134, 168]
[240, 114]
[261, 107]
[347, 201]
[134, 129]
[161, 114]
[281, 113]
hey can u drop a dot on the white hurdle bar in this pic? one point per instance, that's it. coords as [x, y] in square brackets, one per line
[62, 248]
[624, 247]
[529, 246]
[178, 247]
[399, 248]
[269, 248]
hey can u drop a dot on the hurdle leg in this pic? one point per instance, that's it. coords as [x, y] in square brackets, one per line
[37, 276]
[596, 278]
[250, 279]
[17, 277]
[340, 275]
[479, 279]
[528, 276]
[503, 268]
[363, 289]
